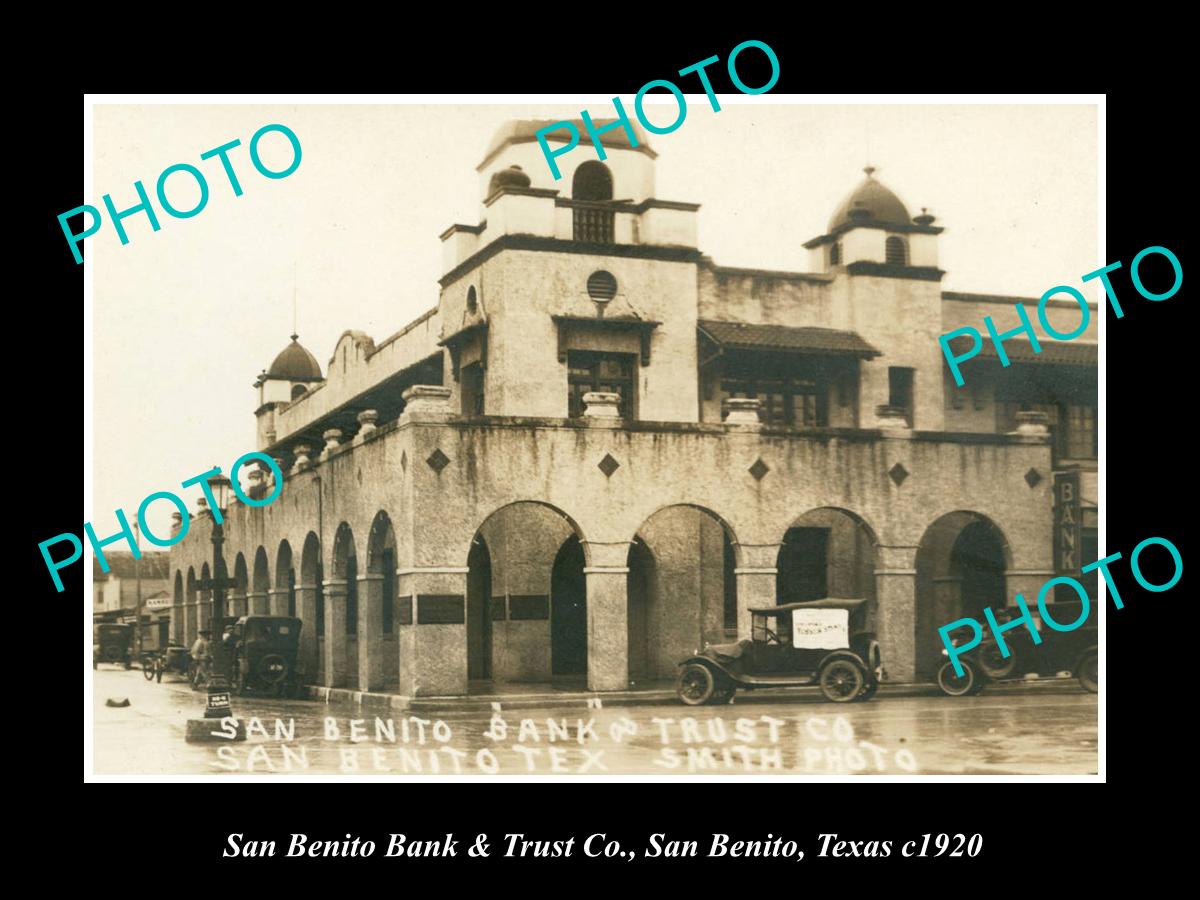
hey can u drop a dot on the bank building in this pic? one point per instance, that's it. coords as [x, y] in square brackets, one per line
[601, 448]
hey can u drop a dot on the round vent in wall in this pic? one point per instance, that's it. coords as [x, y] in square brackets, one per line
[601, 286]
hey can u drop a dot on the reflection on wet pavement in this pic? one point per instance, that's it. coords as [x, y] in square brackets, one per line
[1048, 730]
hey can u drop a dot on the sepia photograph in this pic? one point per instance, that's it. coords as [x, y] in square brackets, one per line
[485, 439]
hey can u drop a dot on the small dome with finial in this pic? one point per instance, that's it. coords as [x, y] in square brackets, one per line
[870, 201]
[295, 363]
[513, 176]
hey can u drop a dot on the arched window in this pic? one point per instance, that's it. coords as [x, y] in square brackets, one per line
[472, 300]
[835, 254]
[895, 251]
[298, 390]
[592, 181]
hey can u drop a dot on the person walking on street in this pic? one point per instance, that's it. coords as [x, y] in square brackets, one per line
[200, 658]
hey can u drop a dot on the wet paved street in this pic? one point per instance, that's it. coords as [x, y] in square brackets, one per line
[1044, 729]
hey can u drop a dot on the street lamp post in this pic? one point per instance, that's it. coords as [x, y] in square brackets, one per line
[219, 681]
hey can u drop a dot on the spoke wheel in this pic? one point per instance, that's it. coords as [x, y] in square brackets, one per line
[696, 685]
[1089, 672]
[955, 685]
[842, 680]
[994, 664]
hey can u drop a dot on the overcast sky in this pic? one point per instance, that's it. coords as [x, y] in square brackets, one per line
[185, 318]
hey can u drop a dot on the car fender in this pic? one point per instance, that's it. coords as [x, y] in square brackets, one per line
[712, 664]
[846, 654]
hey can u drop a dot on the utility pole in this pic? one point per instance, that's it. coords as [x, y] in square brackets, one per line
[137, 568]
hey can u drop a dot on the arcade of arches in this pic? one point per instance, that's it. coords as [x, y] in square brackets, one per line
[525, 616]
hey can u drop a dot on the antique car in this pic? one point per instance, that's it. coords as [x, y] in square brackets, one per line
[112, 642]
[265, 654]
[1072, 652]
[792, 644]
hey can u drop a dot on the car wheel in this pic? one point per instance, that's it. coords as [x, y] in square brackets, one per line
[842, 680]
[868, 691]
[696, 684]
[955, 685]
[147, 670]
[1089, 672]
[993, 664]
[723, 694]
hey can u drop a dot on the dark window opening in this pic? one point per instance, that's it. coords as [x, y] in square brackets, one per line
[351, 596]
[471, 386]
[900, 390]
[835, 253]
[593, 224]
[298, 390]
[388, 561]
[592, 181]
[472, 300]
[895, 251]
[589, 372]
[731, 611]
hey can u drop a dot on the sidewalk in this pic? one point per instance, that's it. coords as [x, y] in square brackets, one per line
[541, 696]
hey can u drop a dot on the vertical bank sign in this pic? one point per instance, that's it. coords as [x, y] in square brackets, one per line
[1068, 523]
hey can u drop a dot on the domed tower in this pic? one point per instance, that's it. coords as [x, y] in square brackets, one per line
[873, 225]
[291, 375]
[626, 173]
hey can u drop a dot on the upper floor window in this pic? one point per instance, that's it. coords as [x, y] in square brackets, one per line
[900, 389]
[592, 181]
[590, 371]
[785, 401]
[835, 254]
[1072, 426]
[298, 390]
[895, 251]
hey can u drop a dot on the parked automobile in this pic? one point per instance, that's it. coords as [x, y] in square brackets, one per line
[112, 642]
[791, 644]
[1071, 652]
[266, 650]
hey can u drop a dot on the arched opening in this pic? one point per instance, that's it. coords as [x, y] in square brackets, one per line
[681, 588]
[895, 251]
[177, 609]
[592, 181]
[190, 627]
[479, 611]
[312, 577]
[961, 562]
[260, 605]
[380, 604]
[241, 590]
[345, 570]
[285, 577]
[526, 596]
[298, 390]
[568, 611]
[828, 552]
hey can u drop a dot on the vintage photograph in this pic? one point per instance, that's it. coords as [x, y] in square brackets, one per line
[655, 468]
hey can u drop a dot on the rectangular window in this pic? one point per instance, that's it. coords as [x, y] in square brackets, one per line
[900, 390]
[588, 372]
[1080, 438]
[785, 401]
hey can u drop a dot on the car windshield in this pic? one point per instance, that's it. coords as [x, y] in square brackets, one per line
[770, 629]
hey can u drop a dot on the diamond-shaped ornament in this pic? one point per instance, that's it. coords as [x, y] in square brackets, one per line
[608, 465]
[759, 469]
[898, 473]
[438, 460]
[1033, 478]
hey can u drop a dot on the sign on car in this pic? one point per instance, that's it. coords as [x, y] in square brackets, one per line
[821, 629]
